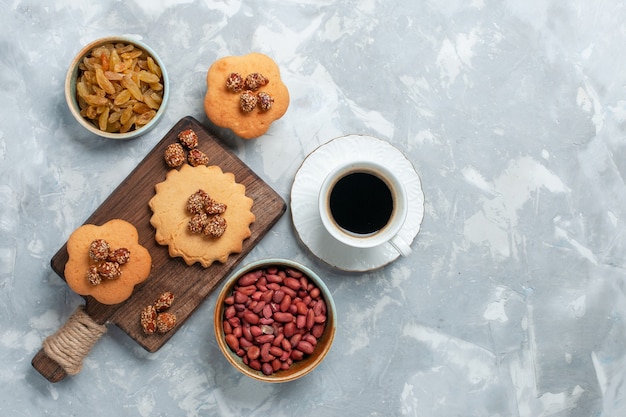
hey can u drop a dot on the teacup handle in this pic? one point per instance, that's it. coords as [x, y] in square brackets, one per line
[400, 245]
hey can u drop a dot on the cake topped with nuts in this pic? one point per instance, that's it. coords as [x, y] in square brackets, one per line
[245, 94]
[201, 214]
[107, 261]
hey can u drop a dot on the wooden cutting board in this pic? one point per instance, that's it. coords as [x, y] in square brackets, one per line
[190, 284]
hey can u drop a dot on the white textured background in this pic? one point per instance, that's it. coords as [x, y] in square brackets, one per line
[513, 302]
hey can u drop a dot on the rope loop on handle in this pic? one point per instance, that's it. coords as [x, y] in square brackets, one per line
[72, 342]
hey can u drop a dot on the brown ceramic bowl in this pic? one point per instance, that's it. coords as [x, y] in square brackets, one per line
[73, 74]
[297, 368]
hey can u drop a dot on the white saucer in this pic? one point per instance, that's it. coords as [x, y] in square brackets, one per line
[306, 185]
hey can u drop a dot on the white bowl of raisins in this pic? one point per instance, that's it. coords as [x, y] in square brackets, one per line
[275, 320]
[117, 87]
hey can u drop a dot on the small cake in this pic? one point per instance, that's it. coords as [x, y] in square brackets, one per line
[201, 214]
[245, 94]
[106, 262]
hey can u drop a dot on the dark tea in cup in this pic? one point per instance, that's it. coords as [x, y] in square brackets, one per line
[361, 203]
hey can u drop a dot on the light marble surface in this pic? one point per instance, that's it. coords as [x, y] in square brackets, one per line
[513, 302]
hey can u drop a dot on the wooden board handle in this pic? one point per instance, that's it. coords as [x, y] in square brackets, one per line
[63, 352]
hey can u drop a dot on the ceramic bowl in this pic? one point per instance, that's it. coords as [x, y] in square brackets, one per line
[73, 74]
[298, 368]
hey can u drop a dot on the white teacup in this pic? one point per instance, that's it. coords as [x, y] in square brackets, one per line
[363, 204]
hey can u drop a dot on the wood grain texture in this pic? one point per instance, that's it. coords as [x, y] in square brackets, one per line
[190, 284]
